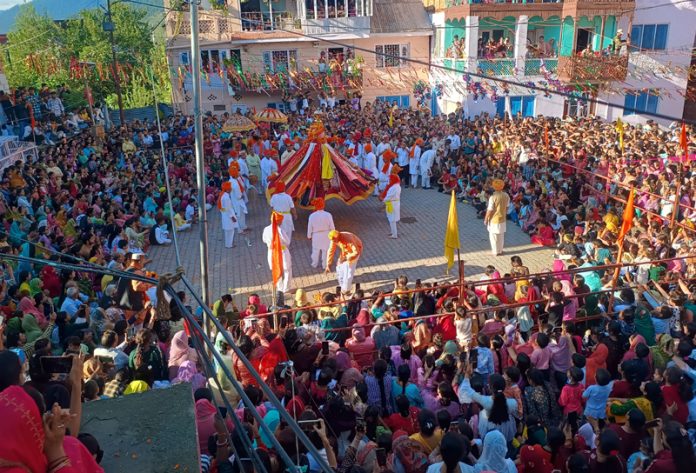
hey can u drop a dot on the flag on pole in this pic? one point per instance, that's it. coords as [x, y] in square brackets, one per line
[276, 248]
[627, 221]
[684, 142]
[391, 118]
[620, 130]
[452, 233]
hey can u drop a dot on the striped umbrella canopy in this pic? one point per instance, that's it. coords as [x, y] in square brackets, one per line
[271, 115]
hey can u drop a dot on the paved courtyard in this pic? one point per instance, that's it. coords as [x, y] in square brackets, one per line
[418, 253]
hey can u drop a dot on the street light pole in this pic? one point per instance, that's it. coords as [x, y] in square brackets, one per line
[200, 163]
[109, 27]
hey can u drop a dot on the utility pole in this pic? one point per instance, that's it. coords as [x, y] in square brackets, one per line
[109, 28]
[200, 163]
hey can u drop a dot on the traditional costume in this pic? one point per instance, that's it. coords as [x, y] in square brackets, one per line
[427, 159]
[228, 215]
[282, 203]
[319, 224]
[391, 198]
[237, 194]
[351, 248]
[276, 229]
[414, 161]
[496, 214]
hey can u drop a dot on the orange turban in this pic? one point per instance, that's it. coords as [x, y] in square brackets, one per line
[419, 141]
[234, 172]
[368, 148]
[234, 153]
[279, 187]
[226, 187]
[389, 154]
[318, 203]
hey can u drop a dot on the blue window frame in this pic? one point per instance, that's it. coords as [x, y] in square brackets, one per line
[519, 103]
[401, 101]
[641, 102]
[650, 37]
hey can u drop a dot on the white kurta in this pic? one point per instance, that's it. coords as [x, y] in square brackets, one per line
[394, 196]
[268, 167]
[267, 237]
[371, 164]
[319, 224]
[282, 203]
[426, 162]
[228, 218]
[384, 177]
[414, 161]
[238, 203]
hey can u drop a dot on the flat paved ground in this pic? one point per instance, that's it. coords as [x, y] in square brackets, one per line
[418, 253]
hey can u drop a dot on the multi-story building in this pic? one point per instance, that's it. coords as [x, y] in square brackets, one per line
[257, 53]
[579, 47]
[660, 64]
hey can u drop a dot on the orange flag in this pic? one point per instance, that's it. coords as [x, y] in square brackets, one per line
[684, 142]
[627, 222]
[276, 249]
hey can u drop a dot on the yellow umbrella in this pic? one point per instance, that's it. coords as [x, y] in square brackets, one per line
[271, 115]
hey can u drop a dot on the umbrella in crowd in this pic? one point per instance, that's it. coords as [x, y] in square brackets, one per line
[271, 115]
[238, 123]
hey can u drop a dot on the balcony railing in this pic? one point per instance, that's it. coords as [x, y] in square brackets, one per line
[532, 67]
[497, 67]
[593, 68]
[458, 64]
[261, 21]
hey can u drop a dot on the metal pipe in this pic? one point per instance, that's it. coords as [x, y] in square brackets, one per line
[200, 162]
[114, 66]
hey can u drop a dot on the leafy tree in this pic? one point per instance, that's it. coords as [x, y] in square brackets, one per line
[82, 40]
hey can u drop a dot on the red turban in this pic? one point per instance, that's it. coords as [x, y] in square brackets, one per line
[318, 203]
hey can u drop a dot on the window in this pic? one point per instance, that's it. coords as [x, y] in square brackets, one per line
[280, 61]
[391, 55]
[640, 102]
[401, 101]
[650, 37]
[213, 59]
[235, 60]
[184, 58]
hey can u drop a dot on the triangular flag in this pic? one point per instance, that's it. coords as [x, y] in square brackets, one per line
[276, 248]
[627, 222]
[452, 233]
[620, 129]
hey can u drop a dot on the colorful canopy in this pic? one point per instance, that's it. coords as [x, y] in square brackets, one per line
[238, 122]
[318, 170]
[271, 115]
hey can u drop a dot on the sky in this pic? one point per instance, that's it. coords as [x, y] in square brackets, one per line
[5, 4]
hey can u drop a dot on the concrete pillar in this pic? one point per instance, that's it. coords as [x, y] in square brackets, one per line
[471, 42]
[521, 42]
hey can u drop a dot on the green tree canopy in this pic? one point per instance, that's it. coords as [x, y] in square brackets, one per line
[42, 51]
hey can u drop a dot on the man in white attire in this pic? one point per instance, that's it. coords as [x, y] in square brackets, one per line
[228, 216]
[319, 225]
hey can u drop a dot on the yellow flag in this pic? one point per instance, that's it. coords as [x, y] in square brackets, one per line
[620, 129]
[391, 118]
[326, 167]
[452, 233]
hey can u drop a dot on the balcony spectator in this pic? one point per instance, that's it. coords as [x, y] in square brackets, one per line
[456, 49]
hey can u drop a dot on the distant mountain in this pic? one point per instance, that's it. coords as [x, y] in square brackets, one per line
[65, 9]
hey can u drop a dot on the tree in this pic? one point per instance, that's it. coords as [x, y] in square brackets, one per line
[80, 52]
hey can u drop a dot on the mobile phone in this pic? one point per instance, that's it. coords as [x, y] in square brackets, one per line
[310, 423]
[338, 291]
[56, 364]
[381, 455]
[324, 348]
[283, 321]
[652, 423]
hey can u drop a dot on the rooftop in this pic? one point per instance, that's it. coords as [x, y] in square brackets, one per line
[399, 16]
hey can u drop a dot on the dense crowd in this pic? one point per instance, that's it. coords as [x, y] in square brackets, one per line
[512, 372]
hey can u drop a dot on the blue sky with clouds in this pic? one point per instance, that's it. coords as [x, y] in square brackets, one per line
[5, 4]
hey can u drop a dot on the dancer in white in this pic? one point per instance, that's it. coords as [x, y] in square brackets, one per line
[268, 167]
[237, 195]
[426, 162]
[227, 214]
[319, 225]
[282, 203]
[391, 198]
[414, 161]
[371, 163]
[276, 226]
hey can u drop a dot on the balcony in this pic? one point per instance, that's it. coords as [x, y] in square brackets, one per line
[497, 67]
[264, 21]
[338, 25]
[592, 68]
[458, 9]
[532, 67]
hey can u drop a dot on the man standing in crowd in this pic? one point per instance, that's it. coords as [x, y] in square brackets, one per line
[267, 237]
[319, 224]
[351, 248]
[496, 213]
[282, 203]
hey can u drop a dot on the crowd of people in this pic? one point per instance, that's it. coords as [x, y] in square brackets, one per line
[514, 371]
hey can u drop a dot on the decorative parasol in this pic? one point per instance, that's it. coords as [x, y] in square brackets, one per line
[318, 170]
[271, 115]
[238, 122]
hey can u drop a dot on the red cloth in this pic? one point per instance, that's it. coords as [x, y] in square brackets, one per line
[22, 432]
[544, 237]
[51, 281]
[663, 463]
[597, 360]
[205, 422]
[80, 458]
[408, 424]
[534, 459]
[671, 396]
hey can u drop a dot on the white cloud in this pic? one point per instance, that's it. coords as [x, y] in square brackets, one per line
[5, 4]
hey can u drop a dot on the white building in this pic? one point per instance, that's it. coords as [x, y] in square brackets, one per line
[662, 41]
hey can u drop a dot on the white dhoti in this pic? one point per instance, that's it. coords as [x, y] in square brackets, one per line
[414, 180]
[240, 209]
[496, 234]
[229, 238]
[320, 249]
[345, 272]
[425, 180]
[283, 283]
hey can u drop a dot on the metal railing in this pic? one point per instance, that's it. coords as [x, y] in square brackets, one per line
[533, 66]
[497, 67]
[261, 21]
